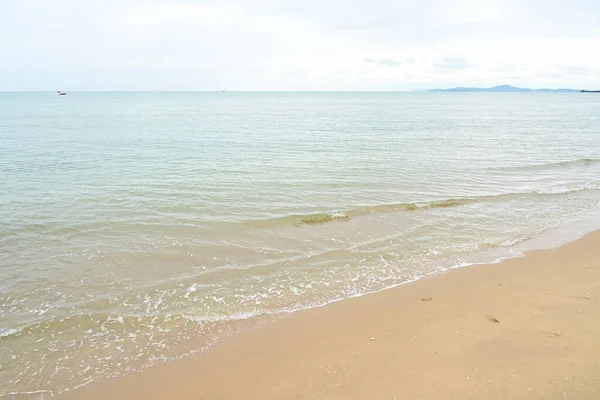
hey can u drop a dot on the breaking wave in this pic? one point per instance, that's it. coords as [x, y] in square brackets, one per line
[347, 215]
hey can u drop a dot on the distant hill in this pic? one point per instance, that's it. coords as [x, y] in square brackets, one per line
[503, 88]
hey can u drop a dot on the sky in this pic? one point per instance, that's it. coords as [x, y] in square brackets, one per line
[297, 45]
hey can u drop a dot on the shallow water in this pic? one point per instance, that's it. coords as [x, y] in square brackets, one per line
[141, 227]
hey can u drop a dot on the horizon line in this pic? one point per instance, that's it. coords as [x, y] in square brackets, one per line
[269, 91]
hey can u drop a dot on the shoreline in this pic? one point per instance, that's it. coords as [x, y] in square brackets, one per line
[523, 328]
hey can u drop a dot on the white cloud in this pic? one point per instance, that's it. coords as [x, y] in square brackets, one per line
[297, 45]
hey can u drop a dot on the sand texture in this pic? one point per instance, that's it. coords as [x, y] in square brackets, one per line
[526, 328]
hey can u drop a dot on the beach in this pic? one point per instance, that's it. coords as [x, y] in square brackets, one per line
[524, 328]
[213, 200]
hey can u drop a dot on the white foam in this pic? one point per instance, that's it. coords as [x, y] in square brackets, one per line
[9, 332]
[26, 393]
[571, 189]
[190, 290]
[338, 215]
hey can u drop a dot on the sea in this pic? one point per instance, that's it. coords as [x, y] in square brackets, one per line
[138, 228]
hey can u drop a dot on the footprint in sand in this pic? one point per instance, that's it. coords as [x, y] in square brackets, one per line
[492, 319]
[580, 298]
[553, 335]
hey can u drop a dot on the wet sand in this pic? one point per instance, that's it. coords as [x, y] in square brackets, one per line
[526, 328]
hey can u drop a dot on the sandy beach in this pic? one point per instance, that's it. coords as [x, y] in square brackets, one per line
[524, 328]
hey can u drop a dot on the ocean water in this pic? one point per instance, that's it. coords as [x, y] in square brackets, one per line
[137, 228]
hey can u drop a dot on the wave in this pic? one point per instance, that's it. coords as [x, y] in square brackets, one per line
[567, 163]
[344, 216]
[323, 218]
[347, 215]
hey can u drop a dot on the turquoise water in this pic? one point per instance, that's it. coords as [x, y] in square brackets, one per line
[137, 228]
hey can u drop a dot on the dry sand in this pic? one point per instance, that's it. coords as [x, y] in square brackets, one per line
[526, 328]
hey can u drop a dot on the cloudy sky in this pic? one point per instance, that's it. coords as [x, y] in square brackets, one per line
[297, 45]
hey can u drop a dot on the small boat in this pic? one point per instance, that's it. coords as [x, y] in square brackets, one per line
[59, 93]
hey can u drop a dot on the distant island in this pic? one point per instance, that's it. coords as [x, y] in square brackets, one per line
[503, 88]
[590, 91]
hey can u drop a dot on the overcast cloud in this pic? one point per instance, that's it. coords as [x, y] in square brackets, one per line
[297, 45]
